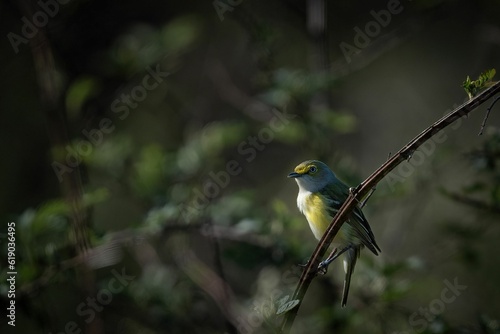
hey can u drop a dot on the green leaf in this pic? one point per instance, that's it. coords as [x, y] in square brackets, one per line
[472, 87]
[96, 196]
[79, 92]
[149, 170]
[181, 33]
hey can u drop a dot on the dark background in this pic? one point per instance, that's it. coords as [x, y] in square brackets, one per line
[216, 254]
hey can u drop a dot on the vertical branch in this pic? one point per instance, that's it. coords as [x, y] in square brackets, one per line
[230, 326]
[71, 183]
[52, 107]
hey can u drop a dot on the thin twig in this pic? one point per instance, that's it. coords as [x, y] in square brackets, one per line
[310, 271]
[486, 116]
[362, 204]
[207, 279]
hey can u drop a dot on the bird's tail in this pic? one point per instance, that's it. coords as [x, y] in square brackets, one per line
[350, 258]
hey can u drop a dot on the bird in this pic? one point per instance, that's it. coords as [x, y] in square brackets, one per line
[321, 194]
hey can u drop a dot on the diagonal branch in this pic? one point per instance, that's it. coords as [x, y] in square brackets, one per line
[362, 189]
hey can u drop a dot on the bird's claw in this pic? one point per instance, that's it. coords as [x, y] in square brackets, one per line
[322, 268]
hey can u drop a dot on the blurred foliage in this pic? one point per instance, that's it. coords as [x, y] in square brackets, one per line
[481, 195]
[187, 192]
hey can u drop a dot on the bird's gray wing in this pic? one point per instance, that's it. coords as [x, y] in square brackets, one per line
[337, 196]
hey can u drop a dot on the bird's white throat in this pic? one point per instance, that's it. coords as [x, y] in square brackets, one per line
[302, 199]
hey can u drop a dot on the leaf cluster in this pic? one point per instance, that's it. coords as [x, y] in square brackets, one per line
[472, 87]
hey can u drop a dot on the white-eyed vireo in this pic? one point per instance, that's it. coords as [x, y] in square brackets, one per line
[321, 194]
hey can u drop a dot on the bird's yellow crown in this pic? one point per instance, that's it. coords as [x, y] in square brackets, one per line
[305, 167]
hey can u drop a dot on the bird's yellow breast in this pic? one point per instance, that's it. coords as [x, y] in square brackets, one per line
[315, 207]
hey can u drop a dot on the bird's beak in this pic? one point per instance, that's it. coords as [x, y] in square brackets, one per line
[294, 175]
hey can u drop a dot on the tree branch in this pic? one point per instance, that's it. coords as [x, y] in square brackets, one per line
[51, 93]
[362, 189]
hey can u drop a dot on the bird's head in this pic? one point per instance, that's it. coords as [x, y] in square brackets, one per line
[312, 175]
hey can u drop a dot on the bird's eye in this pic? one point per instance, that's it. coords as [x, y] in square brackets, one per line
[313, 169]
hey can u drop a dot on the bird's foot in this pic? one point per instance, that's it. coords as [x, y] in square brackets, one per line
[323, 268]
